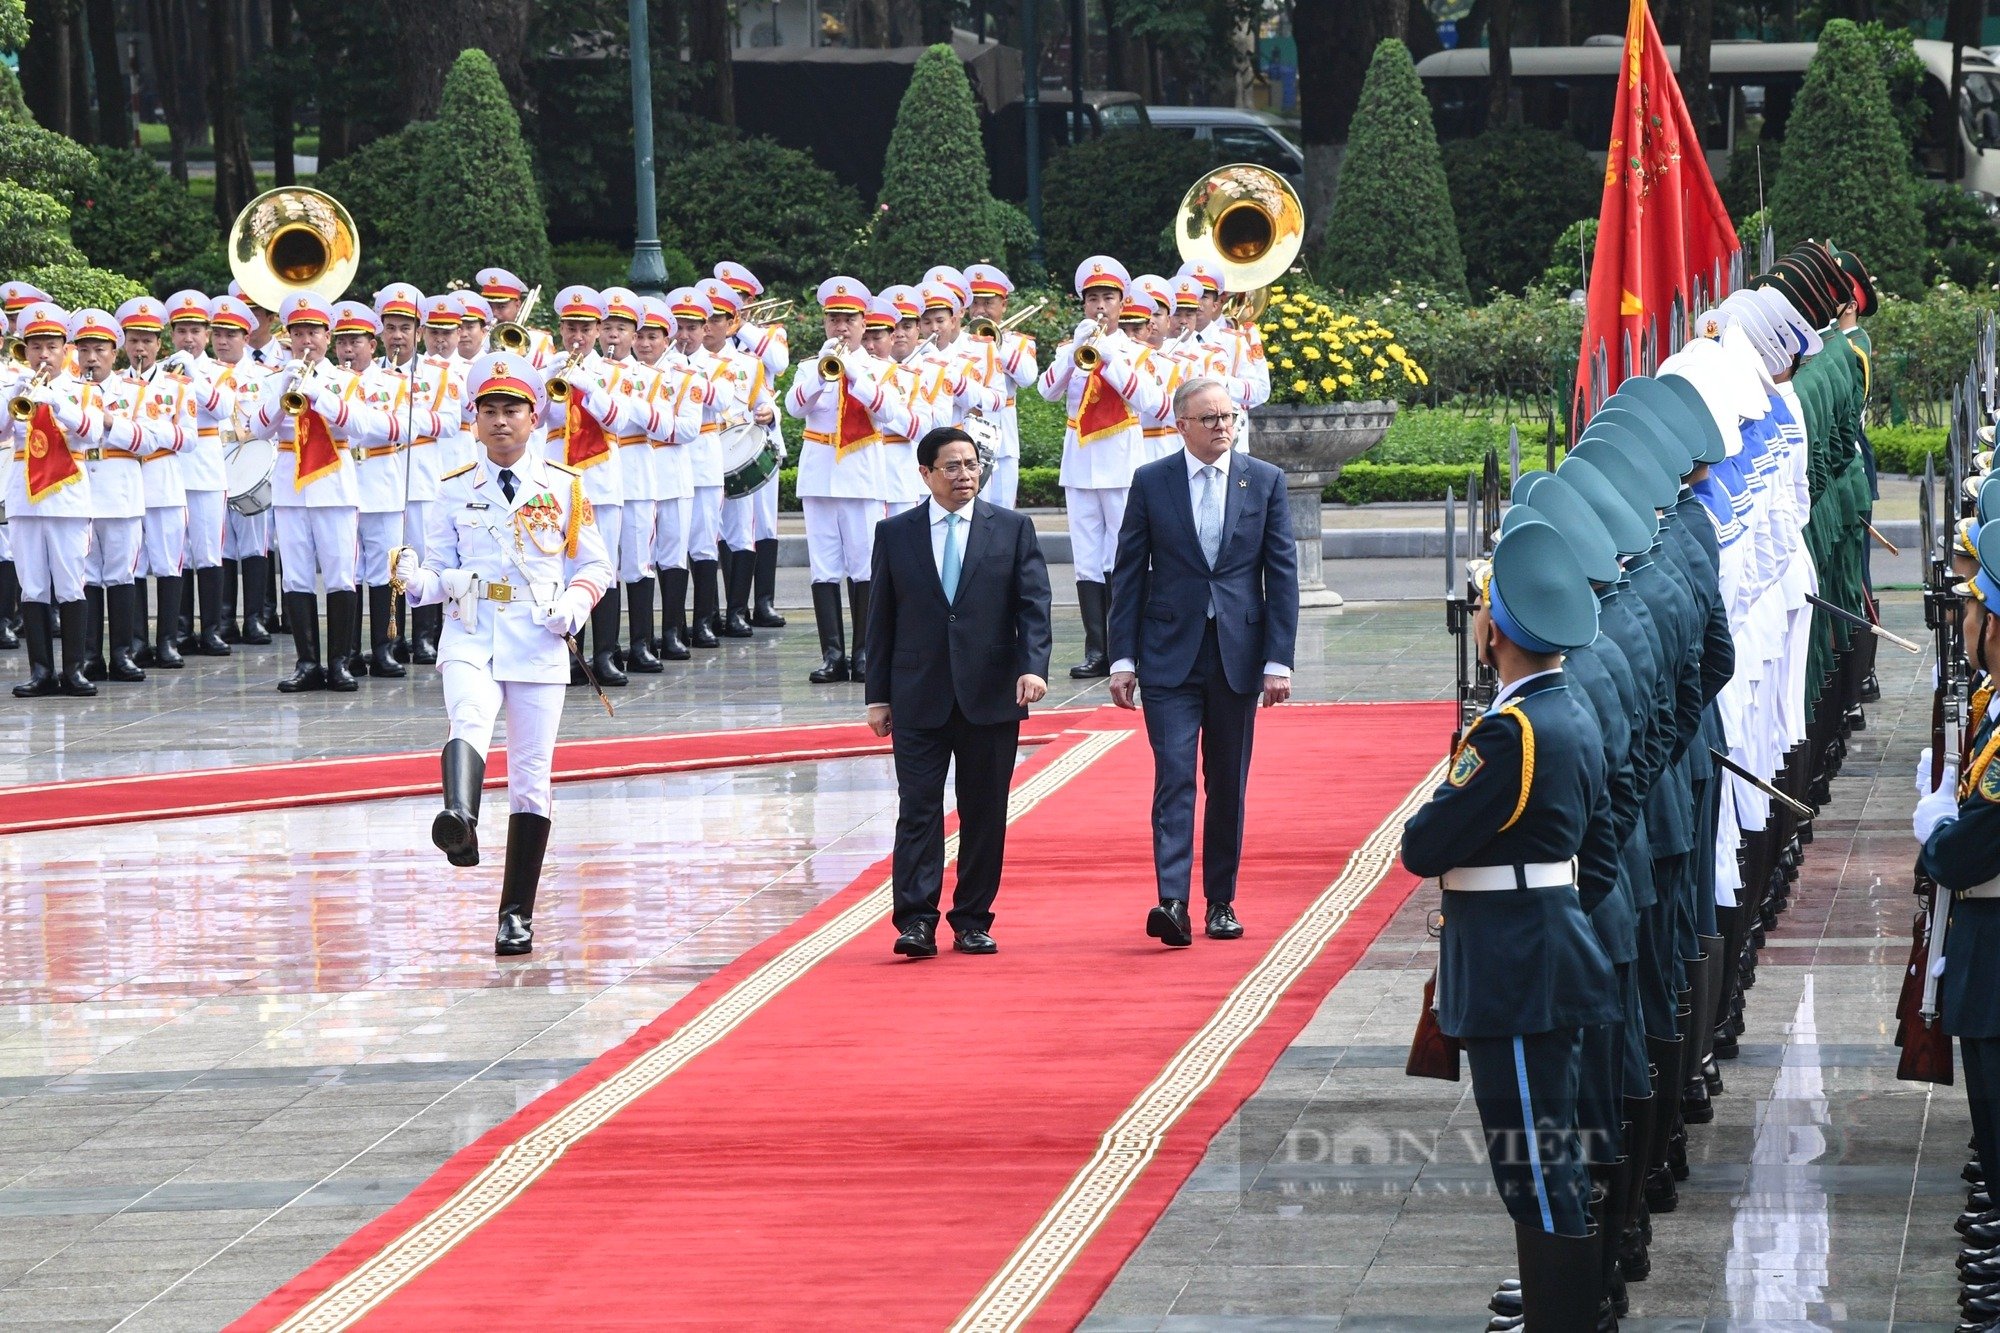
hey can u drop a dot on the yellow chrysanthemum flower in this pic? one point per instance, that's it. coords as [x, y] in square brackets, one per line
[1397, 352]
[1374, 375]
[1286, 364]
[1310, 352]
[1329, 384]
[1290, 323]
[1348, 380]
[1300, 386]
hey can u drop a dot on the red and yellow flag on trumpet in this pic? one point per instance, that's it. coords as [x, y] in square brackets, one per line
[853, 426]
[1102, 411]
[585, 442]
[50, 464]
[318, 455]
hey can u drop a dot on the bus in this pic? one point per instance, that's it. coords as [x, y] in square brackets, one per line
[1573, 89]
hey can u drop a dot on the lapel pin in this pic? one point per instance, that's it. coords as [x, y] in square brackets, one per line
[1243, 483]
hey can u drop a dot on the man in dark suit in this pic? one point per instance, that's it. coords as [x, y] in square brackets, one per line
[959, 634]
[1204, 614]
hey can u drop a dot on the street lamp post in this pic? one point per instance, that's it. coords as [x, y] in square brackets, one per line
[649, 266]
[1031, 119]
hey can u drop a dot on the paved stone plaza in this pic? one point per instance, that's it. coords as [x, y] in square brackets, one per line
[226, 1043]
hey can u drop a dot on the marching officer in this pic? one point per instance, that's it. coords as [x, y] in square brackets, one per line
[515, 557]
[246, 537]
[202, 475]
[168, 408]
[1103, 442]
[1521, 974]
[1014, 358]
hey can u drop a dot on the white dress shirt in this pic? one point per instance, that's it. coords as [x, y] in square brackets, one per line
[1221, 483]
[1509, 691]
[939, 529]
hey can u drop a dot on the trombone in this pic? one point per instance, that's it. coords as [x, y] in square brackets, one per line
[770, 310]
[512, 335]
[982, 327]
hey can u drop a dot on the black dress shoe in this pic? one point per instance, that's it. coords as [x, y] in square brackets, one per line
[1972, 1173]
[919, 940]
[973, 941]
[1977, 1200]
[1978, 1257]
[1168, 923]
[1695, 1106]
[1982, 1230]
[1222, 922]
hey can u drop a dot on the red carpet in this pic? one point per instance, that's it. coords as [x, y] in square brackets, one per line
[825, 1136]
[217, 791]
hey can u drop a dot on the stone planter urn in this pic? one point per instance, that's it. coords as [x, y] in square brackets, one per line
[1312, 444]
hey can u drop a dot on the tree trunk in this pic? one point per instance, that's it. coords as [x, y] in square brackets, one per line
[1500, 109]
[82, 124]
[284, 119]
[235, 176]
[114, 102]
[430, 35]
[1697, 33]
[1962, 21]
[936, 20]
[45, 64]
[1336, 40]
[708, 50]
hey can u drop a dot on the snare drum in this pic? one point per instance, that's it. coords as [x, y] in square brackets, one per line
[986, 438]
[247, 469]
[749, 459]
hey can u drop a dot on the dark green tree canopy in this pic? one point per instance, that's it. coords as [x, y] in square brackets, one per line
[1846, 167]
[1392, 218]
[1514, 190]
[768, 207]
[935, 186]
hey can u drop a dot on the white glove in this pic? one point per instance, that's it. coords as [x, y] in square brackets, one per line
[68, 413]
[1940, 807]
[1084, 329]
[1947, 783]
[408, 566]
[568, 614]
[326, 402]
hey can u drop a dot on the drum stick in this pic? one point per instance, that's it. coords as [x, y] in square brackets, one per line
[1862, 622]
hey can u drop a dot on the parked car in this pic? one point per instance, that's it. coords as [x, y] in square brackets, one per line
[1104, 112]
[1238, 136]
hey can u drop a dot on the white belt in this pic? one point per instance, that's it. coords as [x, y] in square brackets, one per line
[1990, 889]
[1507, 879]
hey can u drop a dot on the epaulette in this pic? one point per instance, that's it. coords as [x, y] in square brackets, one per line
[565, 469]
[459, 473]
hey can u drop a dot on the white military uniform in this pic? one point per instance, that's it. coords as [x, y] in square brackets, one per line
[52, 535]
[766, 342]
[318, 525]
[437, 441]
[603, 475]
[682, 395]
[211, 390]
[1097, 472]
[842, 491]
[530, 569]
[168, 407]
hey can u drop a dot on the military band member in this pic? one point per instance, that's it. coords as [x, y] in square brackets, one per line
[757, 404]
[202, 474]
[693, 310]
[1103, 442]
[475, 321]
[263, 347]
[769, 344]
[168, 408]
[1241, 349]
[246, 538]
[683, 394]
[516, 558]
[1520, 971]
[624, 375]
[12, 376]
[118, 504]
[962, 392]
[48, 497]
[434, 385]
[316, 493]
[846, 404]
[444, 314]
[1014, 356]
[505, 294]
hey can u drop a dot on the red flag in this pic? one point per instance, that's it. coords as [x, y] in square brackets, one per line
[51, 466]
[1102, 412]
[854, 427]
[318, 455]
[584, 440]
[1662, 227]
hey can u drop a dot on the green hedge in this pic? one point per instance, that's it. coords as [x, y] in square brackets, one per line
[1038, 490]
[1902, 448]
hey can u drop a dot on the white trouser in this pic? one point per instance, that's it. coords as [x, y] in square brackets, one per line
[49, 555]
[114, 551]
[416, 515]
[705, 523]
[318, 542]
[840, 538]
[765, 525]
[1003, 482]
[205, 510]
[381, 534]
[891, 508]
[245, 535]
[534, 711]
[737, 522]
[610, 525]
[1095, 515]
[670, 532]
[635, 540]
[164, 542]
[6, 543]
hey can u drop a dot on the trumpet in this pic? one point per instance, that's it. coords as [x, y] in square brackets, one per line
[513, 335]
[20, 406]
[770, 310]
[832, 368]
[558, 386]
[294, 400]
[1088, 356]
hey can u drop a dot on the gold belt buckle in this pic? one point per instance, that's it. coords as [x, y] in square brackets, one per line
[93, 455]
[499, 592]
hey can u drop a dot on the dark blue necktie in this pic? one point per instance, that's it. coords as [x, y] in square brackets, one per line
[507, 484]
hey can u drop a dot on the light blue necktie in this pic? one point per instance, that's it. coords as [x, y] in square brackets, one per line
[1208, 522]
[951, 557]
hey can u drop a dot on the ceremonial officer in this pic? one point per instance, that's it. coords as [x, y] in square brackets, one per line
[506, 294]
[1014, 356]
[168, 408]
[246, 530]
[963, 392]
[203, 479]
[1103, 441]
[12, 375]
[1520, 972]
[315, 410]
[515, 557]
[263, 347]
[444, 314]
[1240, 348]
[756, 405]
[846, 404]
[691, 311]
[683, 394]
[48, 495]
[769, 344]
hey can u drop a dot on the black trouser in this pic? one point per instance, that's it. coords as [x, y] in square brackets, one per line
[985, 758]
[1981, 1058]
[1201, 713]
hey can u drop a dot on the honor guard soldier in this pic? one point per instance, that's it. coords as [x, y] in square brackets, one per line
[475, 320]
[769, 344]
[847, 405]
[1520, 972]
[1014, 358]
[682, 395]
[1103, 441]
[168, 409]
[443, 316]
[906, 374]
[246, 537]
[262, 347]
[117, 502]
[1146, 314]
[13, 375]
[202, 474]
[315, 411]
[506, 295]
[961, 394]
[741, 516]
[48, 495]
[516, 559]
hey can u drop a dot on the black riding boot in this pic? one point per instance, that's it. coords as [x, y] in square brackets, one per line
[832, 635]
[343, 639]
[93, 631]
[857, 661]
[302, 611]
[1094, 602]
[185, 638]
[10, 605]
[426, 628]
[742, 571]
[214, 615]
[273, 595]
[121, 613]
[1562, 1279]
[74, 618]
[36, 628]
[764, 570]
[356, 659]
[455, 831]
[673, 615]
[382, 633]
[142, 644]
[527, 843]
[702, 635]
[232, 572]
[166, 640]
[641, 657]
[604, 626]
[255, 571]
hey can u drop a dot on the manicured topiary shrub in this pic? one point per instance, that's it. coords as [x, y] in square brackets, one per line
[1513, 191]
[476, 187]
[935, 188]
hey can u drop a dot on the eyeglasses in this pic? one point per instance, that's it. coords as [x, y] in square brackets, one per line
[1213, 421]
[966, 469]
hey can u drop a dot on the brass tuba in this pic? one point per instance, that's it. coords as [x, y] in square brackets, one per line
[1246, 223]
[293, 240]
